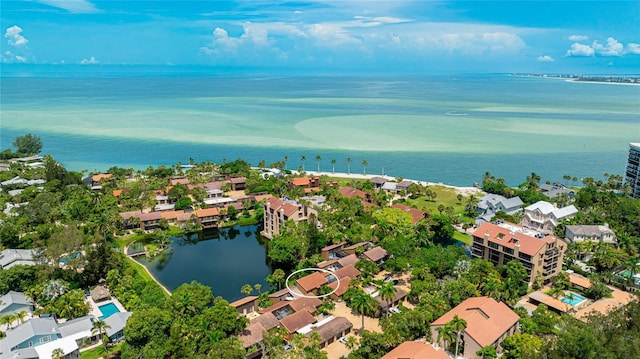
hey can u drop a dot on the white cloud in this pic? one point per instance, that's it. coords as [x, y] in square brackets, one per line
[91, 61]
[10, 57]
[579, 50]
[545, 58]
[611, 48]
[577, 38]
[72, 6]
[633, 48]
[14, 35]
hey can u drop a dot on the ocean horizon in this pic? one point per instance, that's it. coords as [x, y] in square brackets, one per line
[447, 128]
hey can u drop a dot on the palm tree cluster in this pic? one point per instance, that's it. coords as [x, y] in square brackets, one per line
[452, 331]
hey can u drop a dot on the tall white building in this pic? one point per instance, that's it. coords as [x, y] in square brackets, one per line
[633, 169]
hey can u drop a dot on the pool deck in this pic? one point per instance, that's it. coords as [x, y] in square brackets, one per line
[95, 310]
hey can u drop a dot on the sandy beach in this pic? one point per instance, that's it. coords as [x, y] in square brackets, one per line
[463, 190]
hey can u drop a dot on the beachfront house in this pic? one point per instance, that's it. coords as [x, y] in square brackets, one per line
[491, 203]
[544, 216]
[488, 323]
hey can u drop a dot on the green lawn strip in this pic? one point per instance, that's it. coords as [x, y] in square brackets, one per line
[462, 237]
[446, 196]
[99, 352]
[243, 221]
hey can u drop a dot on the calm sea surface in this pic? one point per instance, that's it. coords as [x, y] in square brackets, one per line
[448, 129]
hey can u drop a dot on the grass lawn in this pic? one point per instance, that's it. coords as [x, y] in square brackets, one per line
[99, 352]
[446, 196]
[462, 237]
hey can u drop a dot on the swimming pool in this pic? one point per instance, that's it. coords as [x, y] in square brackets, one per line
[573, 299]
[108, 310]
[76, 255]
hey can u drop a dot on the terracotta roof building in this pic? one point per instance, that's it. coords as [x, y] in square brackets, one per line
[415, 350]
[488, 323]
[279, 210]
[297, 320]
[502, 242]
[376, 254]
[416, 214]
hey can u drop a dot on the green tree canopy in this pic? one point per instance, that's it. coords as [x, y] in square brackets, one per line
[28, 144]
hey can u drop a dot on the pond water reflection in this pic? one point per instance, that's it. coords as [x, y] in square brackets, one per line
[223, 259]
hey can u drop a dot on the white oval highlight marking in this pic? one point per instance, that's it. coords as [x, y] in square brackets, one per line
[286, 283]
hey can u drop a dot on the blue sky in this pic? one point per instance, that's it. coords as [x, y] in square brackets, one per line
[329, 36]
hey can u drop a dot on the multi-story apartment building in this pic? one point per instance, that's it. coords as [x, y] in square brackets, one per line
[279, 210]
[633, 169]
[501, 242]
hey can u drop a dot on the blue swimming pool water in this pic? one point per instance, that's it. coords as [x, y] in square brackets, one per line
[108, 310]
[64, 260]
[573, 301]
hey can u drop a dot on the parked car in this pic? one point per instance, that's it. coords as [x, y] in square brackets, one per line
[394, 310]
[343, 340]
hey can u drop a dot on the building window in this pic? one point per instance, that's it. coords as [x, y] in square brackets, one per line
[526, 257]
[45, 339]
[493, 245]
[507, 250]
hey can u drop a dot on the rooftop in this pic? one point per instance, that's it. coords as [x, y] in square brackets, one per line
[487, 320]
[415, 350]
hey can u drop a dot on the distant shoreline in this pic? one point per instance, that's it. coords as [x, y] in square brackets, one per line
[603, 82]
[458, 189]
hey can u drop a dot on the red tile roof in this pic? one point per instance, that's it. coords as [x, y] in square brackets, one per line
[308, 304]
[297, 320]
[301, 181]
[415, 350]
[243, 301]
[416, 214]
[150, 216]
[375, 254]
[312, 281]
[207, 212]
[347, 271]
[100, 176]
[487, 320]
[507, 238]
[350, 192]
[344, 285]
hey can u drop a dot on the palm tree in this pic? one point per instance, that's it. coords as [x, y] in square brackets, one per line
[333, 165]
[363, 304]
[388, 293]
[7, 320]
[100, 327]
[348, 165]
[57, 353]
[457, 324]
[257, 287]
[246, 289]
[20, 316]
[286, 159]
[364, 167]
[445, 335]
[318, 158]
[303, 158]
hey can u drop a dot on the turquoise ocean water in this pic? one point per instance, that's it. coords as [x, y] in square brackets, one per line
[448, 129]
